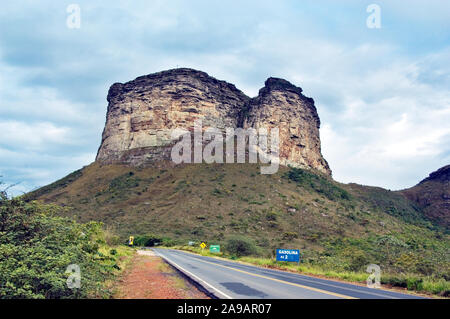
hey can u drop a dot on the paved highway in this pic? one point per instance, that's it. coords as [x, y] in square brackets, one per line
[229, 280]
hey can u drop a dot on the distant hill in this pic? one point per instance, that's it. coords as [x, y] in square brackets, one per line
[433, 196]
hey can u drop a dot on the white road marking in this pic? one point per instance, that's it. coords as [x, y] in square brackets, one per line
[196, 277]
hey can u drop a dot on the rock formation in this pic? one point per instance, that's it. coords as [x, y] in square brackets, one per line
[281, 104]
[142, 114]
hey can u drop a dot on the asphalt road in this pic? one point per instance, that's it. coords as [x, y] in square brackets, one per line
[231, 280]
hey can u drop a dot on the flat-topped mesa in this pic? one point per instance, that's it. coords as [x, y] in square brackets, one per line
[143, 113]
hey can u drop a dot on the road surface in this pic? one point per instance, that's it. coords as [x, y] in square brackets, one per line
[231, 280]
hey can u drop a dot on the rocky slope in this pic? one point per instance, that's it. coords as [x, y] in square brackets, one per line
[142, 114]
[433, 195]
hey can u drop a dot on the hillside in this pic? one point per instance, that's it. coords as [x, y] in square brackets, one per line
[432, 195]
[343, 227]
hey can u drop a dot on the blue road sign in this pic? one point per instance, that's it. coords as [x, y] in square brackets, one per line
[288, 255]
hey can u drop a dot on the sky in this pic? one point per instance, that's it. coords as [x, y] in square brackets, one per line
[382, 93]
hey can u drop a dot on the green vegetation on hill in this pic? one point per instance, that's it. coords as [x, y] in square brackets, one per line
[338, 228]
[432, 196]
[317, 183]
[37, 246]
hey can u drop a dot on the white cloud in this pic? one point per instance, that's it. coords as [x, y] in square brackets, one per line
[394, 132]
[383, 100]
[33, 136]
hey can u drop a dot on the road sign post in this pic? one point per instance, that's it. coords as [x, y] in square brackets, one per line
[131, 240]
[203, 245]
[292, 255]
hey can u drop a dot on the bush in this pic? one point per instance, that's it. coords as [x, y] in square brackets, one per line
[290, 236]
[411, 283]
[240, 246]
[414, 283]
[168, 242]
[147, 240]
[36, 249]
[271, 216]
[394, 281]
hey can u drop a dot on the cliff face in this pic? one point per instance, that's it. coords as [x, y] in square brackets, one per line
[281, 104]
[142, 114]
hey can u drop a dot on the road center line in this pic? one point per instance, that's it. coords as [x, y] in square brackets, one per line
[281, 281]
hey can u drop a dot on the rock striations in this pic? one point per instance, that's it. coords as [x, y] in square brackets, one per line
[142, 114]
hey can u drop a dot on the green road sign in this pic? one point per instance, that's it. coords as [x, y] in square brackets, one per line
[214, 248]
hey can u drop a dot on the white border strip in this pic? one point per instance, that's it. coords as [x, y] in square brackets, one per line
[192, 275]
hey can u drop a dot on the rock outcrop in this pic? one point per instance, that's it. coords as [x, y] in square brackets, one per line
[442, 175]
[142, 114]
[281, 104]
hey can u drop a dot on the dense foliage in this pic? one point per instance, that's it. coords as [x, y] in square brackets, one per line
[240, 246]
[36, 247]
[147, 240]
[317, 183]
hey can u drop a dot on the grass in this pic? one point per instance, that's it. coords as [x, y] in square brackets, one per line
[306, 269]
[121, 258]
[164, 268]
[179, 283]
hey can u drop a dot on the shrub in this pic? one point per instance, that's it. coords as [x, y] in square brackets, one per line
[36, 249]
[147, 240]
[271, 216]
[168, 242]
[414, 283]
[273, 224]
[240, 246]
[394, 281]
[289, 235]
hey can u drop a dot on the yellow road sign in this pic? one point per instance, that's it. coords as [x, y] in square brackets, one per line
[203, 245]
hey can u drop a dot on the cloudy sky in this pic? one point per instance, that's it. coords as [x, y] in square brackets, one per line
[382, 93]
